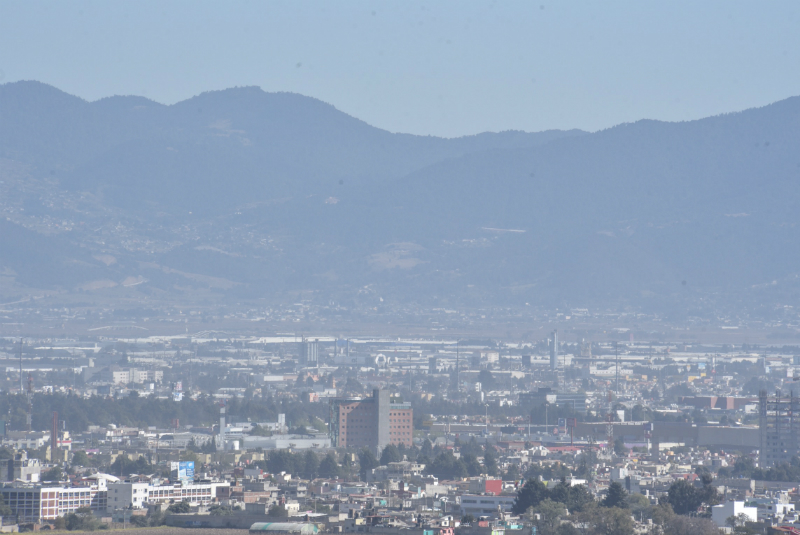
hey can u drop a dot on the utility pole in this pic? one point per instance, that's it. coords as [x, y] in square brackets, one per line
[458, 369]
[610, 425]
[21, 384]
[54, 439]
[29, 417]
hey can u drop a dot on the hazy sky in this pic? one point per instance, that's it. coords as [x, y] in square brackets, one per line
[441, 68]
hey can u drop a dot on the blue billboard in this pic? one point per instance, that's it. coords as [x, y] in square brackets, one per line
[182, 471]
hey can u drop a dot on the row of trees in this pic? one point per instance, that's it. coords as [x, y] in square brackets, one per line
[444, 463]
[306, 464]
[572, 510]
[447, 466]
[683, 497]
[79, 413]
[746, 468]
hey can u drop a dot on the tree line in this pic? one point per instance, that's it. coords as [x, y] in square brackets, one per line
[79, 413]
[566, 509]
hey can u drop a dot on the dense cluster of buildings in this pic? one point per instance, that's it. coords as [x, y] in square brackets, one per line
[644, 415]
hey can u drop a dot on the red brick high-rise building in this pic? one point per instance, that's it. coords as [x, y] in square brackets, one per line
[371, 422]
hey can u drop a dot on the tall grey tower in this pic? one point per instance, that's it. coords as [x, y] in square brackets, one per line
[554, 350]
[309, 353]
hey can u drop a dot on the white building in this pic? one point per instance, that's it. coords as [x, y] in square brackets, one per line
[34, 503]
[281, 442]
[720, 513]
[24, 440]
[124, 494]
[124, 376]
[479, 505]
[774, 509]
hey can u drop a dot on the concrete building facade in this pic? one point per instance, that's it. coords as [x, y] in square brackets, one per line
[372, 422]
[779, 428]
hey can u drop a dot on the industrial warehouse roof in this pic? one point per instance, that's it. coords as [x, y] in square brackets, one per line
[285, 527]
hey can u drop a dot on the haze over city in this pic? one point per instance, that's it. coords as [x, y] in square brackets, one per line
[451, 268]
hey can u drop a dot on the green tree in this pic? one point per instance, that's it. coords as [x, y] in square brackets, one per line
[512, 474]
[390, 454]
[310, 464]
[282, 461]
[276, 511]
[685, 498]
[471, 465]
[427, 448]
[329, 467]
[471, 448]
[367, 461]
[139, 521]
[490, 461]
[79, 458]
[446, 466]
[619, 447]
[220, 510]
[547, 516]
[742, 525]
[609, 521]
[530, 495]
[639, 505]
[616, 496]
[82, 520]
[688, 525]
[744, 466]
[660, 514]
[123, 466]
[575, 497]
[53, 474]
[179, 508]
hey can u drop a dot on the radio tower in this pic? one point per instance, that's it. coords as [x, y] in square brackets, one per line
[458, 371]
[21, 387]
[610, 425]
[29, 417]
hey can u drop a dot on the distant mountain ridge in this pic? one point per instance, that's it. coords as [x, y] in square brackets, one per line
[250, 139]
[288, 194]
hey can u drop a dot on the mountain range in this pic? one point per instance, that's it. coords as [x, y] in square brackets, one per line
[242, 195]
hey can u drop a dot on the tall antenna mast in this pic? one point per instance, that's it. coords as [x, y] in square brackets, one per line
[29, 416]
[458, 370]
[616, 355]
[21, 384]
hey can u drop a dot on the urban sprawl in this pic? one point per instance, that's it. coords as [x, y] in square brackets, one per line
[307, 434]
